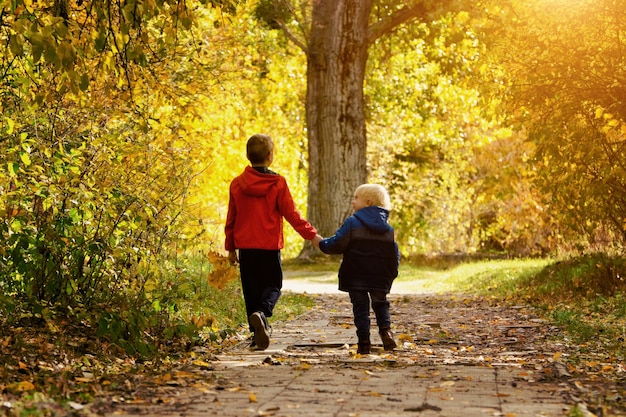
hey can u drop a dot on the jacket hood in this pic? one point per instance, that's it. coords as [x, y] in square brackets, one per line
[256, 184]
[374, 218]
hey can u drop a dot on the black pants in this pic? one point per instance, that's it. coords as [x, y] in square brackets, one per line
[361, 310]
[261, 279]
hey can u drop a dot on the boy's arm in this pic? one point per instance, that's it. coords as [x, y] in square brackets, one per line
[232, 257]
[287, 208]
[229, 228]
[316, 241]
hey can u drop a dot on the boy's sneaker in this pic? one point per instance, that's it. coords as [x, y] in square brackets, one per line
[261, 334]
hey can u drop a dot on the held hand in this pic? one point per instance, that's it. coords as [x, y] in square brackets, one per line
[232, 257]
[316, 241]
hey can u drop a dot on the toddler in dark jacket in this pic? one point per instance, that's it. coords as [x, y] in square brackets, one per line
[370, 262]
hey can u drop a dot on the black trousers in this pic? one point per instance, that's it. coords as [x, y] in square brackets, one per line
[261, 279]
[361, 310]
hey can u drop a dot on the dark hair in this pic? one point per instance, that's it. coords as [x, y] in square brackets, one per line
[258, 148]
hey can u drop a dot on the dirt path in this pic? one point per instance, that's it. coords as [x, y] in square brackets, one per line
[457, 356]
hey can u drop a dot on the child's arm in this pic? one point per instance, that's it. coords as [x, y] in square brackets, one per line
[232, 257]
[338, 243]
[287, 209]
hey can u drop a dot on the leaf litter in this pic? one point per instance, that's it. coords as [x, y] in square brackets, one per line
[432, 330]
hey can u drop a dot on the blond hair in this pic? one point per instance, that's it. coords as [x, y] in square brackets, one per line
[376, 194]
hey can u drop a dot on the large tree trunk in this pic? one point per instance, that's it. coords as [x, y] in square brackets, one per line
[335, 116]
[337, 51]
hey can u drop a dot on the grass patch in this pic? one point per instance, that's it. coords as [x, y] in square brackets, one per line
[223, 309]
[584, 295]
[430, 275]
[292, 305]
[480, 276]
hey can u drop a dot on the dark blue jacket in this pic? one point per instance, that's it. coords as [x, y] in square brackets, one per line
[370, 252]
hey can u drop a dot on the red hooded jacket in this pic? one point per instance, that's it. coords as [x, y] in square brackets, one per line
[256, 207]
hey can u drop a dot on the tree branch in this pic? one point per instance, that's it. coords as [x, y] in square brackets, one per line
[292, 37]
[422, 10]
[289, 34]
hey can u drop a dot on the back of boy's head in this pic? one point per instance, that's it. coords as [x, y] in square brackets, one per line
[258, 148]
[376, 194]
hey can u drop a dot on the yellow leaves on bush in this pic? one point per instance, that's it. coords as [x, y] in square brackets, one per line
[222, 272]
[204, 320]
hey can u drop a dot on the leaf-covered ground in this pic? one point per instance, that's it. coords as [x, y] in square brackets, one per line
[55, 368]
[61, 369]
[464, 329]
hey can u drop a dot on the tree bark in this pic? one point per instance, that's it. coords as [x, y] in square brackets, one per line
[337, 51]
[337, 55]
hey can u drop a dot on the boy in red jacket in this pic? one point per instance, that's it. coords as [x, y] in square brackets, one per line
[259, 200]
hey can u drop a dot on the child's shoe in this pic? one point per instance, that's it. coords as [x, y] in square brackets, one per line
[364, 347]
[261, 334]
[387, 337]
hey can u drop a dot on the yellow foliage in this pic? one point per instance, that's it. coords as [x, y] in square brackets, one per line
[205, 320]
[222, 272]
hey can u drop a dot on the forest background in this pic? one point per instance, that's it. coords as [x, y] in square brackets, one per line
[498, 127]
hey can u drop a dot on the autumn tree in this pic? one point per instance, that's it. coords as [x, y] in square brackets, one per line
[97, 146]
[336, 37]
[566, 63]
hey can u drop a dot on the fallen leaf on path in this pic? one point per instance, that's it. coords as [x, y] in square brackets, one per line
[75, 405]
[405, 337]
[201, 364]
[580, 386]
[21, 386]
